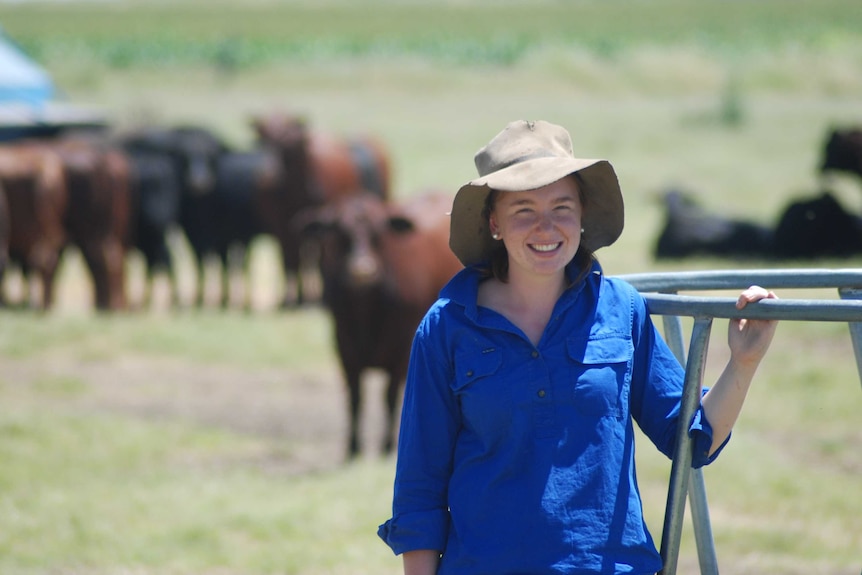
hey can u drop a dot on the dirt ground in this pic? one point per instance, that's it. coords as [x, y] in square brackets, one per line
[307, 411]
[304, 410]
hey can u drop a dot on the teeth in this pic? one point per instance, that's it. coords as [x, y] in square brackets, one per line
[546, 247]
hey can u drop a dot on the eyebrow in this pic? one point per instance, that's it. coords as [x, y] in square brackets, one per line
[562, 199]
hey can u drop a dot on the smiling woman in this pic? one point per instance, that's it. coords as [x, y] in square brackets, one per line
[530, 377]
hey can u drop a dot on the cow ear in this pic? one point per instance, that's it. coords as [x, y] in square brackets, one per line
[400, 224]
[313, 229]
[309, 222]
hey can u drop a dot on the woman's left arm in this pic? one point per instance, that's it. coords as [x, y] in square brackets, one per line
[748, 340]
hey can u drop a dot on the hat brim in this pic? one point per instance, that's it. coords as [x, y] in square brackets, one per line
[603, 217]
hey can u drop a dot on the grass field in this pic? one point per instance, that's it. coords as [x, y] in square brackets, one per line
[210, 443]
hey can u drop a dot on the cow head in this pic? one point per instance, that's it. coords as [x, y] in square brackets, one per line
[198, 151]
[352, 236]
[843, 152]
[193, 150]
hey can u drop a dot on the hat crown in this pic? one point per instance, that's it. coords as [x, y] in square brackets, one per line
[522, 141]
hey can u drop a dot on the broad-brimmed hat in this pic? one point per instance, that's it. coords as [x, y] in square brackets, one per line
[525, 156]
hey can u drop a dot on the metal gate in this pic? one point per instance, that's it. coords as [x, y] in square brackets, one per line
[661, 291]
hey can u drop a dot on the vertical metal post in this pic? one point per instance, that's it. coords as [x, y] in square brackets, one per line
[855, 327]
[681, 466]
[696, 484]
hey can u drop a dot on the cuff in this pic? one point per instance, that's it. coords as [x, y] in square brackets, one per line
[700, 432]
[417, 530]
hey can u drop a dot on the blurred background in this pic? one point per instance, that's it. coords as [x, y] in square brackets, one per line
[165, 437]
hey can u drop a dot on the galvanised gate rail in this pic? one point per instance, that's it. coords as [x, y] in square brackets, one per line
[661, 293]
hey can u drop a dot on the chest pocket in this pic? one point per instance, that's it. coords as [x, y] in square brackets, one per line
[484, 396]
[475, 365]
[600, 370]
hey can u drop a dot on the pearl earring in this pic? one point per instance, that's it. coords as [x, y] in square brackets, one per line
[495, 235]
[582, 230]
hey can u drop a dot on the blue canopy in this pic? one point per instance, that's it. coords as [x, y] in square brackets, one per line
[22, 80]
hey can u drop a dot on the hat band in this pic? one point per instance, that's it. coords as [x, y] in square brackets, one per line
[534, 156]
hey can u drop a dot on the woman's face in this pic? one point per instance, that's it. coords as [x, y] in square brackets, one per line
[541, 228]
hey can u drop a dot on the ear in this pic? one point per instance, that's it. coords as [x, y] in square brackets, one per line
[311, 222]
[492, 225]
[400, 224]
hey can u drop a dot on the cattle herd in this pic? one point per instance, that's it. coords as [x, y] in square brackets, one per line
[108, 194]
[381, 262]
[807, 228]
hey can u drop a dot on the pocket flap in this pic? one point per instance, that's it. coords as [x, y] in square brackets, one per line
[598, 349]
[471, 365]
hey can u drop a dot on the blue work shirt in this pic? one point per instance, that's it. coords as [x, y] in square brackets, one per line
[520, 459]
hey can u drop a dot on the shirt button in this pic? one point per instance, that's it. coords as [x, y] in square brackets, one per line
[541, 393]
[470, 373]
[535, 354]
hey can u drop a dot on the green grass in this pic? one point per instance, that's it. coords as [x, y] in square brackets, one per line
[260, 341]
[102, 494]
[731, 100]
[132, 33]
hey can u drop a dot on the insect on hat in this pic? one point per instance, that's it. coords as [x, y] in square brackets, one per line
[525, 156]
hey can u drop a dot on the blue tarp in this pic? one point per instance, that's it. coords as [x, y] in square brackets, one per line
[22, 80]
[28, 103]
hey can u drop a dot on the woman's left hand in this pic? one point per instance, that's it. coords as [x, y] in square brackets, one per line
[750, 338]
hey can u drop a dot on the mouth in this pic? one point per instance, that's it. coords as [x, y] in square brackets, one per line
[545, 247]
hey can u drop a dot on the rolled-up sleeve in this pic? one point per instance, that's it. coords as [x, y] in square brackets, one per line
[657, 386]
[429, 426]
[700, 432]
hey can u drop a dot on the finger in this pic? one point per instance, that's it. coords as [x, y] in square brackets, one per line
[753, 293]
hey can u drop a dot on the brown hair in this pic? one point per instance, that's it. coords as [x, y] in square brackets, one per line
[498, 265]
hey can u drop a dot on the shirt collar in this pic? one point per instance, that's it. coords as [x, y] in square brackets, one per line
[463, 288]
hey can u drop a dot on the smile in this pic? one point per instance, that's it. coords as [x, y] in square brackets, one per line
[545, 247]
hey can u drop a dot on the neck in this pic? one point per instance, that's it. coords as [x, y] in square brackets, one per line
[537, 292]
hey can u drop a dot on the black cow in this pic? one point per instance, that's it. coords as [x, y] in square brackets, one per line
[195, 154]
[155, 211]
[690, 231]
[843, 152]
[817, 227]
[241, 180]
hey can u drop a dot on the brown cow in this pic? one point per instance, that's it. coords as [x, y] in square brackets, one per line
[313, 169]
[36, 194]
[4, 239]
[98, 177]
[382, 267]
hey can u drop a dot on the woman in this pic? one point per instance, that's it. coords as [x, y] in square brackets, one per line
[516, 450]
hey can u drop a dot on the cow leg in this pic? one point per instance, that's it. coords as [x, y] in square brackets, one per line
[115, 262]
[173, 285]
[99, 273]
[44, 260]
[392, 388]
[354, 408]
[49, 272]
[225, 275]
[290, 267]
[200, 288]
[243, 255]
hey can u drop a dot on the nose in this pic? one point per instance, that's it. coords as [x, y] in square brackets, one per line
[546, 222]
